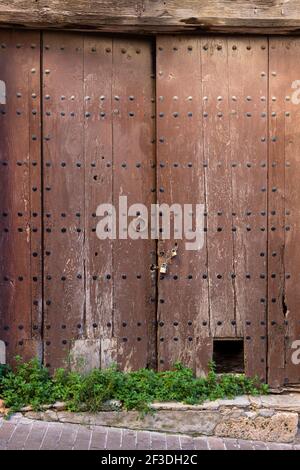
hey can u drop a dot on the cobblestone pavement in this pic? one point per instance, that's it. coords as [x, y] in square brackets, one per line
[22, 433]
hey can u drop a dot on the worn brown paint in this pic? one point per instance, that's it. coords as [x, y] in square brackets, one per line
[64, 194]
[217, 161]
[248, 97]
[98, 70]
[20, 195]
[183, 293]
[284, 210]
[133, 110]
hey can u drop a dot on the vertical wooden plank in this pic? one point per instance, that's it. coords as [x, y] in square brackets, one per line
[290, 302]
[98, 60]
[20, 194]
[64, 194]
[35, 151]
[284, 255]
[276, 320]
[134, 177]
[183, 311]
[248, 108]
[216, 132]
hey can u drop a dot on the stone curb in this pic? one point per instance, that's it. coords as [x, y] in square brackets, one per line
[289, 402]
[269, 418]
[242, 418]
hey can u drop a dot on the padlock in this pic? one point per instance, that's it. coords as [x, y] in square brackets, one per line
[174, 252]
[163, 268]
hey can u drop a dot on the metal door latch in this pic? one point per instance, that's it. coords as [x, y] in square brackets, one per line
[165, 260]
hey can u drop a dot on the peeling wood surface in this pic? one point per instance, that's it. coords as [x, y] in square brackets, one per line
[64, 194]
[155, 16]
[248, 96]
[98, 142]
[217, 160]
[133, 95]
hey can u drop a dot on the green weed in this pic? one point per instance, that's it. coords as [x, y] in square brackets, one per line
[31, 384]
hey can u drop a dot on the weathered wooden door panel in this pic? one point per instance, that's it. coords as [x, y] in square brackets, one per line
[183, 309]
[248, 97]
[218, 173]
[284, 213]
[133, 94]
[212, 149]
[98, 69]
[98, 130]
[20, 194]
[64, 194]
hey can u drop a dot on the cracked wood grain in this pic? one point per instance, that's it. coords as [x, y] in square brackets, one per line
[262, 16]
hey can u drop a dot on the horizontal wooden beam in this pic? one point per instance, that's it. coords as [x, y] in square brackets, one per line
[155, 16]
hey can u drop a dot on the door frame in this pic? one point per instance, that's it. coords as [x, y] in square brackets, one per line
[148, 17]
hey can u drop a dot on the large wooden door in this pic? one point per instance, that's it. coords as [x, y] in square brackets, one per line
[85, 120]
